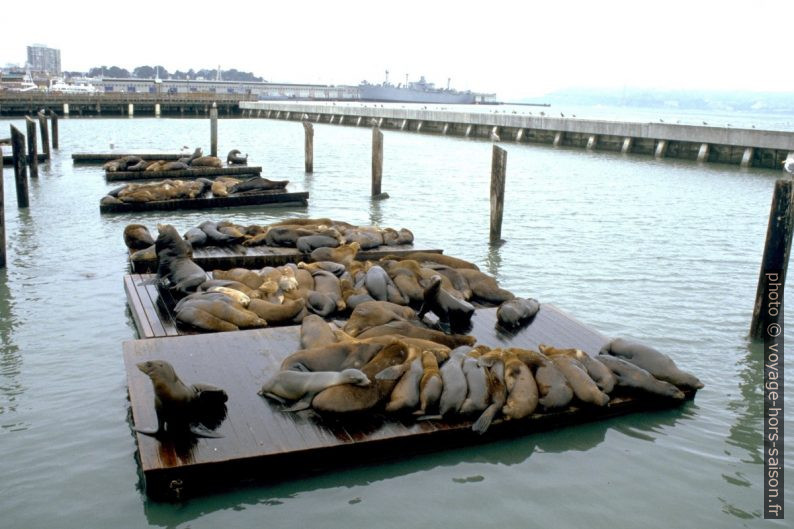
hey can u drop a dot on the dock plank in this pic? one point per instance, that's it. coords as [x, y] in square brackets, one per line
[197, 172]
[262, 198]
[262, 443]
[99, 158]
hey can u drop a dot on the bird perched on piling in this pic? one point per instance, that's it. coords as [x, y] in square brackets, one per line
[788, 163]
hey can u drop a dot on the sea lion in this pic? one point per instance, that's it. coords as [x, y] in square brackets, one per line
[405, 394]
[583, 386]
[454, 382]
[140, 166]
[236, 158]
[257, 183]
[405, 328]
[174, 263]
[366, 237]
[522, 390]
[373, 313]
[174, 166]
[658, 364]
[287, 235]
[303, 386]
[242, 275]
[315, 332]
[274, 313]
[209, 284]
[309, 243]
[603, 377]
[554, 389]
[181, 408]
[632, 376]
[233, 294]
[344, 253]
[206, 161]
[484, 287]
[147, 254]
[121, 164]
[516, 312]
[477, 387]
[196, 237]
[197, 153]
[216, 237]
[430, 385]
[333, 356]
[497, 392]
[439, 258]
[155, 166]
[137, 237]
[203, 311]
[453, 311]
[381, 287]
[348, 398]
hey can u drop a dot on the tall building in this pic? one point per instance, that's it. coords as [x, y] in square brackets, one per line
[43, 59]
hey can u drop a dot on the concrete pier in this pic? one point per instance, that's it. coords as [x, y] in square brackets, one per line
[66, 109]
[591, 142]
[722, 145]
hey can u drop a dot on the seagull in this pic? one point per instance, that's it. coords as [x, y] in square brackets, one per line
[562, 115]
[542, 113]
[494, 136]
[661, 120]
[705, 123]
[788, 163]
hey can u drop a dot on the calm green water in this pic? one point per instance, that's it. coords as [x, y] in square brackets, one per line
[666, 252]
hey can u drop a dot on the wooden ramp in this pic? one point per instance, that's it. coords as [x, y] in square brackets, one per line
[264, 198]
[197, 172]
[263, 444]
[239, 256]
[98, 158]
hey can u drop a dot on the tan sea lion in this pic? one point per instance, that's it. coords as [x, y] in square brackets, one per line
[333, 357]
[315, 332]
[603, 377]
[236, 295]
[206, 161]
[344, 253]
[497, 392]
[516, 312]
[658, 364]
[174, 261]
[137, 237]
[439, 258]
[242, 275]
[348, 398]
[275, 313]
[405, 328]
[181, 408]
[373, 313]
[303, 386]
[405, 394]
[632, 376]
[485, 287]
[522, 390]
[191, 310]
[303, 222]
[477, 396]
[430, 385]
[583, 386]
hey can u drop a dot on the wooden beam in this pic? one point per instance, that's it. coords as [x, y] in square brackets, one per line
[33, 158]
[20, 167]
[308, 146]
[498, 171]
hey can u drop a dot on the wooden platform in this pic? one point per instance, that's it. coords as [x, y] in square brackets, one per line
[239, 256]
[270, 198]
[198, 172]
[263, 444]
[103, 157]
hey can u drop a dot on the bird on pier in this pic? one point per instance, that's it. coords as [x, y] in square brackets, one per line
[542, 113]
[562, 115]
[788, 163]
[661, 120]
[705, 123]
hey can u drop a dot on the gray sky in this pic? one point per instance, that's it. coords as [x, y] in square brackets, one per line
[512, 48]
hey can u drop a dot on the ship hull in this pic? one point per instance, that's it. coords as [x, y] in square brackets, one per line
[392, 94]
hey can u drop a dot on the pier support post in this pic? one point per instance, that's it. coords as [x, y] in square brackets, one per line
[2, 219]
[498, 170]
[445, 129]
[358, 121]
[747, 157]
[419, 126]
[377, 163]
[54, 123]
[341, 119]
[66, 109]
[468, 130]
[404, 124]
[308, 146]
[20, 167]
[318, 117]
[286, 116]
[157, 110]
[703, 152]
[557, 138]
[661, 149]
[774, 263]
[380, 122]
[331, 121]
[269, 113]
[33, 155]
[131, 110]
[214, 130]
[278, 114]
[45, 134]
[591, 142]
[627, 144]
[519, 134]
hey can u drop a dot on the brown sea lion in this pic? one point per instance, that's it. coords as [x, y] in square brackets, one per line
[658, 364]
[242, 275]
[439, 258]
[498, 396]
[583, 386]
[342, 254]
[601, 374]
[257, 183]
[174, 261]
[182, 409]
[430, 385]
[174, 166]
[203, 311]
[315, 332]
[485, 287]
[405, 328]
[453, 311]
[373, 313]
[405, 394]
[235, 157]
[137, 237]
[632, 376]
[366, 237]
[516, 312]
[348, 398]
[274, 313]
[522, 389]
[206, 161]
[303, 386]
[303, 222]
[332, 356]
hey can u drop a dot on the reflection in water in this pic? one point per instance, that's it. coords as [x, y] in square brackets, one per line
[744, 432]
[493, 261]
[10, 358]
[375, 213]
[515, 451]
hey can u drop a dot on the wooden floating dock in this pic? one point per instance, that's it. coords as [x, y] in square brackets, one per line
[239, 256]
[261, 443]
[104, 157]
[198, 172]
[265, 198]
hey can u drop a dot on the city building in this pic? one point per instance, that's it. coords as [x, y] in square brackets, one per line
[42, 59]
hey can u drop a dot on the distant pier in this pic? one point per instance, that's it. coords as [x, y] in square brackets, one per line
[744, 147]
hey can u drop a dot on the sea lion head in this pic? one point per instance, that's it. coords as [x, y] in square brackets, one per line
[158, 369]
[355, 376]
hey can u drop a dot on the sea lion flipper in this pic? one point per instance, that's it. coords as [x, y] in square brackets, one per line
[150, 431]
[272, 396]
[303, 404]
[482, 424]
[200, 430]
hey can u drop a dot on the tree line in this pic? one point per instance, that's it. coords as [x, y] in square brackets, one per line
[150, 72]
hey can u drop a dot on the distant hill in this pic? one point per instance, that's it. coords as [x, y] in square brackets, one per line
[150, 72]
[676, 99]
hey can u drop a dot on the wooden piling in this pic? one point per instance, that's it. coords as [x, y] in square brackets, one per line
[2, 219]
[214, 130]
[775, 260]
[45, 134]
[377, 162]
[54, 123]
[33, 157]
[308, 146]
[20, 166]
[498, 170]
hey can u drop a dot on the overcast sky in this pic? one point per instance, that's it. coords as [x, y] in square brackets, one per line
[515, 49]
